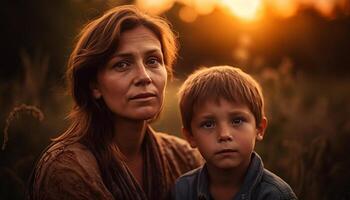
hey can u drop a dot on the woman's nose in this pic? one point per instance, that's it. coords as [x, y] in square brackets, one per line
[142, 76]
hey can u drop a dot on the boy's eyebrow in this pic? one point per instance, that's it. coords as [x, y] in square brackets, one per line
[238, 112]
[206, 116]
[230, 113]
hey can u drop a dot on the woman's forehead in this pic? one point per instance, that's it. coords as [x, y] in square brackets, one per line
[137, 39]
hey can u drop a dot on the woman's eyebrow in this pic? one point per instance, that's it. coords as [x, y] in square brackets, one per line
[152, 51]
[129, 54]
[123, 55]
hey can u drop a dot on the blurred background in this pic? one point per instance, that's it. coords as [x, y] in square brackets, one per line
[297, 50]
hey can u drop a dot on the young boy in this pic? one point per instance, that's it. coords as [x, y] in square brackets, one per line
[222, 110]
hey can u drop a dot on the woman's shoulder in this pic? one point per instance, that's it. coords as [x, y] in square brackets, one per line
[174, 143]
[72, 155]
[171, 139]
[70, 170]
[176, 148]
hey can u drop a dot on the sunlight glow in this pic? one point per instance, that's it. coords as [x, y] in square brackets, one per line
[244, 9]
[187, 14]
[326, 7]
[283, 8]
[155, 7]
[202, 7]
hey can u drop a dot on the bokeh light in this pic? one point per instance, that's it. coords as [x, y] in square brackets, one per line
[283, 8]
[187, 14]
[155, 6]
[246, 10]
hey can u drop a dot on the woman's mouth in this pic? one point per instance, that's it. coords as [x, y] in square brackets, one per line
[143, 96]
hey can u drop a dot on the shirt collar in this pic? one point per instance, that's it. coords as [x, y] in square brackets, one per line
[253, 176]
[203, 184]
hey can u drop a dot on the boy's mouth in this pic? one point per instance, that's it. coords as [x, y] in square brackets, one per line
[226, 151]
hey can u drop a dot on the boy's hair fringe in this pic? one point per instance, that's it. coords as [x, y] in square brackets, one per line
[217, 82]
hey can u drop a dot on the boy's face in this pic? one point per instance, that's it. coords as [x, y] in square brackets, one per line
[224, 133]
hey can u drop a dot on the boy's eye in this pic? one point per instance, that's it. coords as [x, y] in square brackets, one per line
[121, 66]
[237, 121]
[207, 124]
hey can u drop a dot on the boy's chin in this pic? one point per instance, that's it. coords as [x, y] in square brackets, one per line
[226, 164]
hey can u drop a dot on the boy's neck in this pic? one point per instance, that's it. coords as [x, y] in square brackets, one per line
[225, 184]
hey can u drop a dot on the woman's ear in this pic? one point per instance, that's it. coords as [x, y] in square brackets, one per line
[94, 90]
[261, 129]
[189, 137]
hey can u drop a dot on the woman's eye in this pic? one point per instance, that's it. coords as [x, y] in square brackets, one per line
[207, 124]
[153, 61]
[121, 66]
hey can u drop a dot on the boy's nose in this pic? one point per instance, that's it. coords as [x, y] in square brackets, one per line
[224, 135]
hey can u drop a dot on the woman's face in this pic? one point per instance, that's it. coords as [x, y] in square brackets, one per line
[132, 83]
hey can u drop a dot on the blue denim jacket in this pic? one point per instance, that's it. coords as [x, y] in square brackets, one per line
[258, 184]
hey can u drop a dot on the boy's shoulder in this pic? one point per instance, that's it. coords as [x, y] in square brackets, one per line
[186, 186]
[265, 184]
[273, 187]
[190, 176]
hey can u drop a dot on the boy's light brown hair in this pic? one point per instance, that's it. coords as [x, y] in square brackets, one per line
[217, 82]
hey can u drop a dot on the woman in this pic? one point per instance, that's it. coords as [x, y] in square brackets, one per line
[117, 74]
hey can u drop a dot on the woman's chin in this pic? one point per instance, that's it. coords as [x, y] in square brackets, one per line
[145, 114]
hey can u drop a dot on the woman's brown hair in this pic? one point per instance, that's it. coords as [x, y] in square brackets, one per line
[91, 120]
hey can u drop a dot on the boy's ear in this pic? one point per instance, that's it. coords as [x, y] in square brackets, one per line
[189, 137]
[261, 129]
[94, 90]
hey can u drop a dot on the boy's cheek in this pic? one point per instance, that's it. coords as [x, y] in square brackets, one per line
[192, 141]
[189, 137]
[193, 144]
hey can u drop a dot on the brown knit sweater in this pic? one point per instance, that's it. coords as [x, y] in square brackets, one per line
[71, 171]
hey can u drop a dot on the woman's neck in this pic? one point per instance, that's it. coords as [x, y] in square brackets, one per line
[129, 136]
